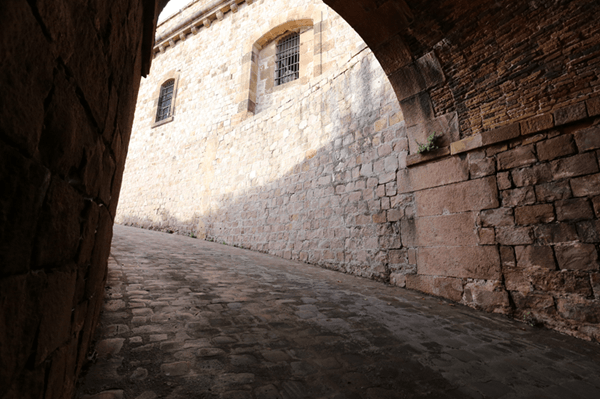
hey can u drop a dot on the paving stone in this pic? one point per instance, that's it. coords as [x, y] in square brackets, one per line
[365, 339]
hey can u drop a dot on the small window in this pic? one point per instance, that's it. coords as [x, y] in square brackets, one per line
[288, 59]
[164, 100]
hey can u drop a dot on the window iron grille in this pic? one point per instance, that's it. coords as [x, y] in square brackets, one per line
[164, 100]
[288, 59]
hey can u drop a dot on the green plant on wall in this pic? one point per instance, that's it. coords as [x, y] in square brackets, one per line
[429, 145]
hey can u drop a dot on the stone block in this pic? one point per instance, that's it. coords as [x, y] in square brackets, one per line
[534, 301]
[534, 256]
[417, 110]
[532, 175]
[504, 182]
[570, 113]
[579, 309]
[588, 231]
[430, 69]
[556, 147]
[418, 158]
[577, 165]
[533, 214]
[507, 257]
[481, 262]
[434, 174]
[588, 139]
[501, 134]
[481, 168]
[514, 235]
[407, 82]
[487, 236]
[595, 281]
[445, 287]
[380, 217]
[22, 189]
[446, 230]
[471, 195]
[555, 233]
[573, 209]
[20, 299]
[516, 279]
[596, 205]
[58, 237]
[466, 144]
[488, 296]
[586, 186]
[517, 157]
[537, 124]
[593, 106]
[562, 282]
[497, 217]
[518, 196]
[577, 256]
[551, 192]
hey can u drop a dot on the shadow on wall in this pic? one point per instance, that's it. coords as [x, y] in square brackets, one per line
[322, 210]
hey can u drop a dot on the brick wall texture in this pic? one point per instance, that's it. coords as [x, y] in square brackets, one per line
[503, 217]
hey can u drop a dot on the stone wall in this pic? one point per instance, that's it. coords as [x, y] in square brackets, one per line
[296, 177]
[500, 217]
[67, 67]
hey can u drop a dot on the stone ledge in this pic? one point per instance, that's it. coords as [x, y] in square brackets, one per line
[201, 19]
[415, 159]
[569, 114]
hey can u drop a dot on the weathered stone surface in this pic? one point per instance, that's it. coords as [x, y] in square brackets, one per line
[579, 309]
[556, 147]
[434, 174]
[593, 106]
[555, 233]
[588, 139]
[518, 196]
[504, 182]
[535, 256]
[577, 256]
[446, 230]
[596, 205]
[497, 217]
[533, 214]
[589, 231]
[586, 186]
[551, 192]
[537, 124]
[487, 236]
[481, 168]
[22, 188]
[514, 235]
[471, 195]
[446, 287]
[564, 281]
[530, 176]
[514, 158]
[487, 296]
[571, 113]
[573, 209]
[463, 262]
[516, 279]
[577, 165]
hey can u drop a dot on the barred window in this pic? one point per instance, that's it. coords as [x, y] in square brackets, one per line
[164, 100]
[287, 66]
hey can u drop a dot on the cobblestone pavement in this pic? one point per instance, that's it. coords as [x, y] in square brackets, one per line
[185, 318]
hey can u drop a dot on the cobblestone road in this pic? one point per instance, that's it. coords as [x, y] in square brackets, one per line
[185, 318]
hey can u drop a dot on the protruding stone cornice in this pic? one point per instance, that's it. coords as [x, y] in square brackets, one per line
[202, 19]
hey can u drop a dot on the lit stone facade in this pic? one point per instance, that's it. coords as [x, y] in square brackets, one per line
[296, 177]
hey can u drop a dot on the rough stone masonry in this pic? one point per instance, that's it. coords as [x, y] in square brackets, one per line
[326, 170]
